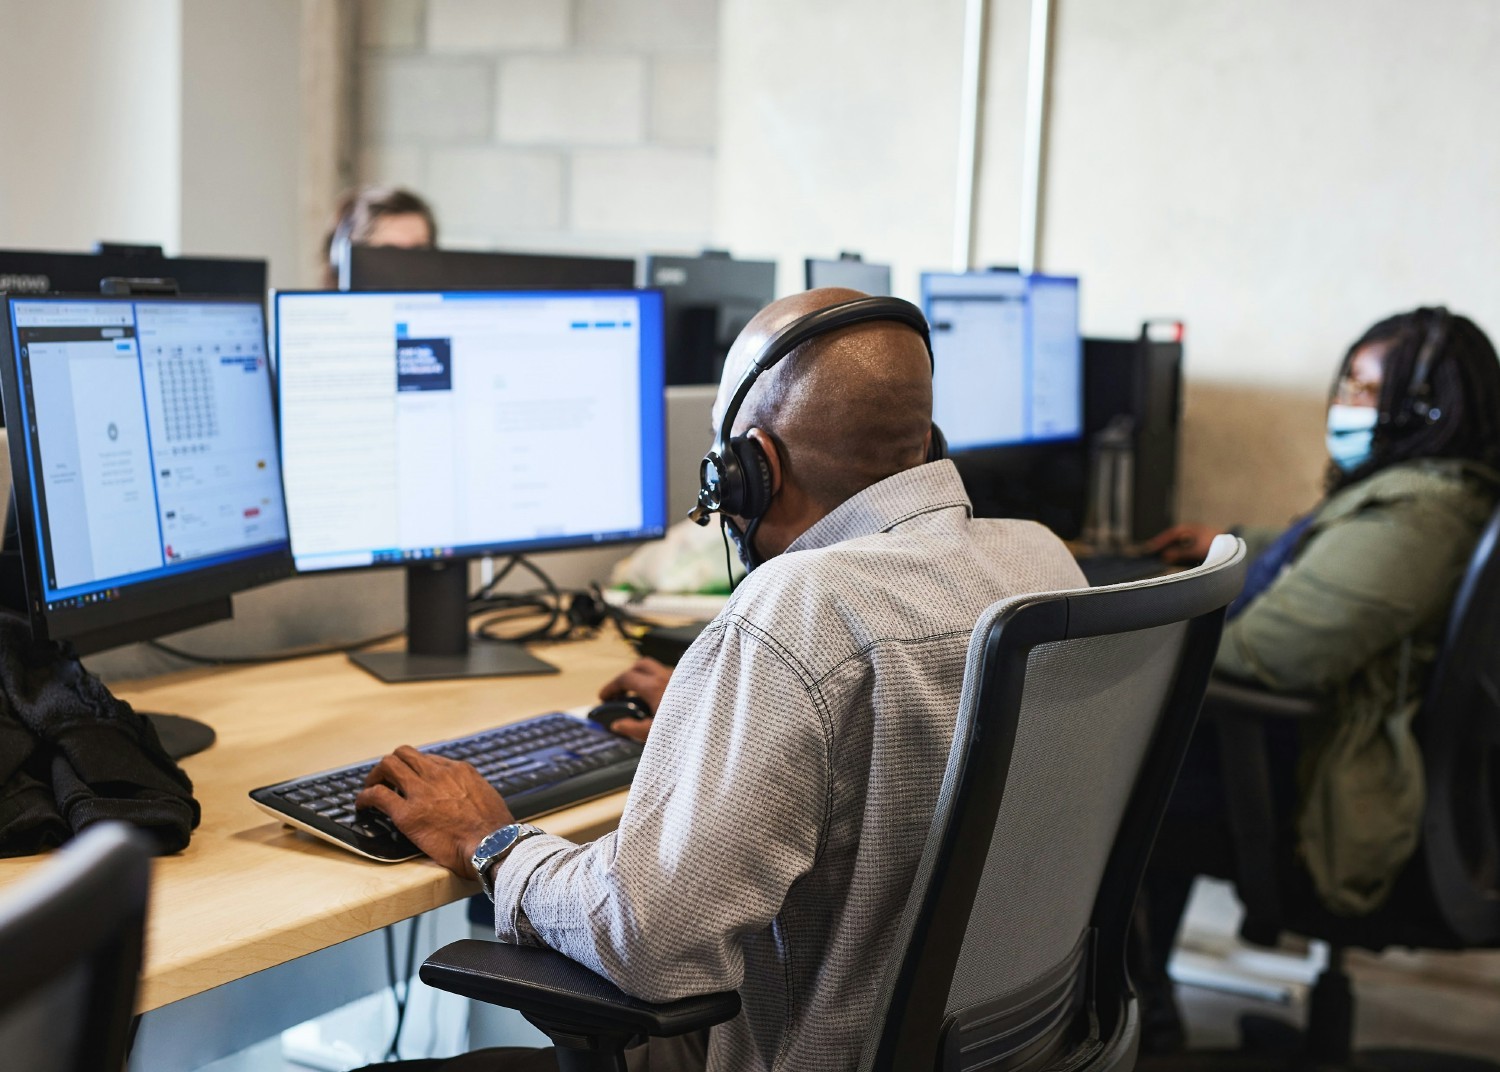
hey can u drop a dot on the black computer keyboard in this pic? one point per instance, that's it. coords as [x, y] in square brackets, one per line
[538, 765]
[1102, 570]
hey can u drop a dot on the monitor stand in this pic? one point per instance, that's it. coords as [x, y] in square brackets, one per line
[438, 645]
[180, 736]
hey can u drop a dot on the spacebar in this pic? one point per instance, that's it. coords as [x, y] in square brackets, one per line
[572, 790]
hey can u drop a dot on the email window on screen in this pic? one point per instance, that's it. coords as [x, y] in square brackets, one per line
[482, 421]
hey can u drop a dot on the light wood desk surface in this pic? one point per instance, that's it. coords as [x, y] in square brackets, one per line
[248, 893]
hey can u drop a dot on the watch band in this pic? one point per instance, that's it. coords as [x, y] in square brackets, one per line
[484, 863]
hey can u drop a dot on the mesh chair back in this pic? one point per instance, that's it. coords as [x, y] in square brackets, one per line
[1076, 710]
[70, 941]
[1460, 729]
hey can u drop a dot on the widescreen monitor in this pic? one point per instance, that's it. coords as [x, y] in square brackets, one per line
[849, 270]
[393, 268]
[709, 300]
[422, 429]
[1008, 358]
[28, 271]
[147, 485]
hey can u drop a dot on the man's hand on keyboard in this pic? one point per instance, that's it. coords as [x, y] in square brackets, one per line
[647, 679]
[445, 807]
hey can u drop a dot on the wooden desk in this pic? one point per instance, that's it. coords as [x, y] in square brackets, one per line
[248, 893]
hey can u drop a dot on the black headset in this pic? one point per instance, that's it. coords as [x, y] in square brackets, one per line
[734, 476]
[338, 249]
[1417, 409]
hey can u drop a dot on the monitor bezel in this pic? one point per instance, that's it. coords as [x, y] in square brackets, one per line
[156, 605]
[486, 550]
[603, 271]
[1026, 277]
[682, 369]
[810, 263]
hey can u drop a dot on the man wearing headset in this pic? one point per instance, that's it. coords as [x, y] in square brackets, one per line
[781, 805]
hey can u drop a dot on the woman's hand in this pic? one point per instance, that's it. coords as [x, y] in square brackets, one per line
[1183, 544]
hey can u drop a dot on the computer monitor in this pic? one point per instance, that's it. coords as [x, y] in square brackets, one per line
[392, 268]
[1008, 358]
[26, 271]
[709, 300]
[850, 270]
[421, 429]
[146, 481]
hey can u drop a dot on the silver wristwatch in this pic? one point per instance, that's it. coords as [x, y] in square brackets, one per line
[494, 847]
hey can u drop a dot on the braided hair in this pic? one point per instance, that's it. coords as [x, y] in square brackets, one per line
[1459, 413]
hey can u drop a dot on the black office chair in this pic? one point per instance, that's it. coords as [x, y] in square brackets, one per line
[1448, 896]
[1077, 708]
[70, 943]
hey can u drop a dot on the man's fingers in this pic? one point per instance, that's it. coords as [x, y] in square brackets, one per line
[634, 728]
[382, 798]
[614, 687]
[411, 757]
[389, 771]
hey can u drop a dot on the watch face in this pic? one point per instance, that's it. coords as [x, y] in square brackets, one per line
[497, 842]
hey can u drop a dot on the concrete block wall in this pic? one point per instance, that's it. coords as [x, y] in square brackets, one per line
[582, 125]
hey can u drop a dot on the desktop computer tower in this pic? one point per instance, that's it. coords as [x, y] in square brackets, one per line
[1135, 385]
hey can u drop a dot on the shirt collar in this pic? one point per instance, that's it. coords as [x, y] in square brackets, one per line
[881, 507]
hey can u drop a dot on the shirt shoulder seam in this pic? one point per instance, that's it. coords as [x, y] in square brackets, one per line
[864, 651]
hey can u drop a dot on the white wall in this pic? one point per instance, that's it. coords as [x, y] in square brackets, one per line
[90, 123]
[152, 121]
[241, 132]
[583, 125]
[838, 129]
[1282, 174]
[1279, 174]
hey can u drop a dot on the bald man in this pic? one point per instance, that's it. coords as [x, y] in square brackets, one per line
[781, 805]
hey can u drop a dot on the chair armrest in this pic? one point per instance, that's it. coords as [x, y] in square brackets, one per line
[545, 985]
[1242, 700]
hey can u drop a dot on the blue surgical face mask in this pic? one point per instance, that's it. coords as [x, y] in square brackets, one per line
[1351, 435]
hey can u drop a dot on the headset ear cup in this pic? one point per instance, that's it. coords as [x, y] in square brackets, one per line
[937, 446]
[755, 478]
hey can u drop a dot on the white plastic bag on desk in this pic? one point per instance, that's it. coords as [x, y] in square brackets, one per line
[689, 559]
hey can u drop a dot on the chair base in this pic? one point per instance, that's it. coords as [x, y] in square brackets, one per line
[1270, 1045]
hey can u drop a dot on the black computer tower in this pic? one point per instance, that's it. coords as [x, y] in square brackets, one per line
[1138, 383]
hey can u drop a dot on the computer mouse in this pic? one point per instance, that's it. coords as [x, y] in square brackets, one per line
[611, 711]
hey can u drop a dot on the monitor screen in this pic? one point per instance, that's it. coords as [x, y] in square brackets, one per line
[849, 272]
[424, 425]
[709, 300]
[147, 473]
[393, 268]
[1009, 359]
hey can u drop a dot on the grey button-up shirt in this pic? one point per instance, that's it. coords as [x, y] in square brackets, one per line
[784, 796]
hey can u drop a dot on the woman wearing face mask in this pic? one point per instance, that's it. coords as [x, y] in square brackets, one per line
[1346, 604]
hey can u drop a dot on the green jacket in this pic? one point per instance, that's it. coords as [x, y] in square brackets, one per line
[1356, 619]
